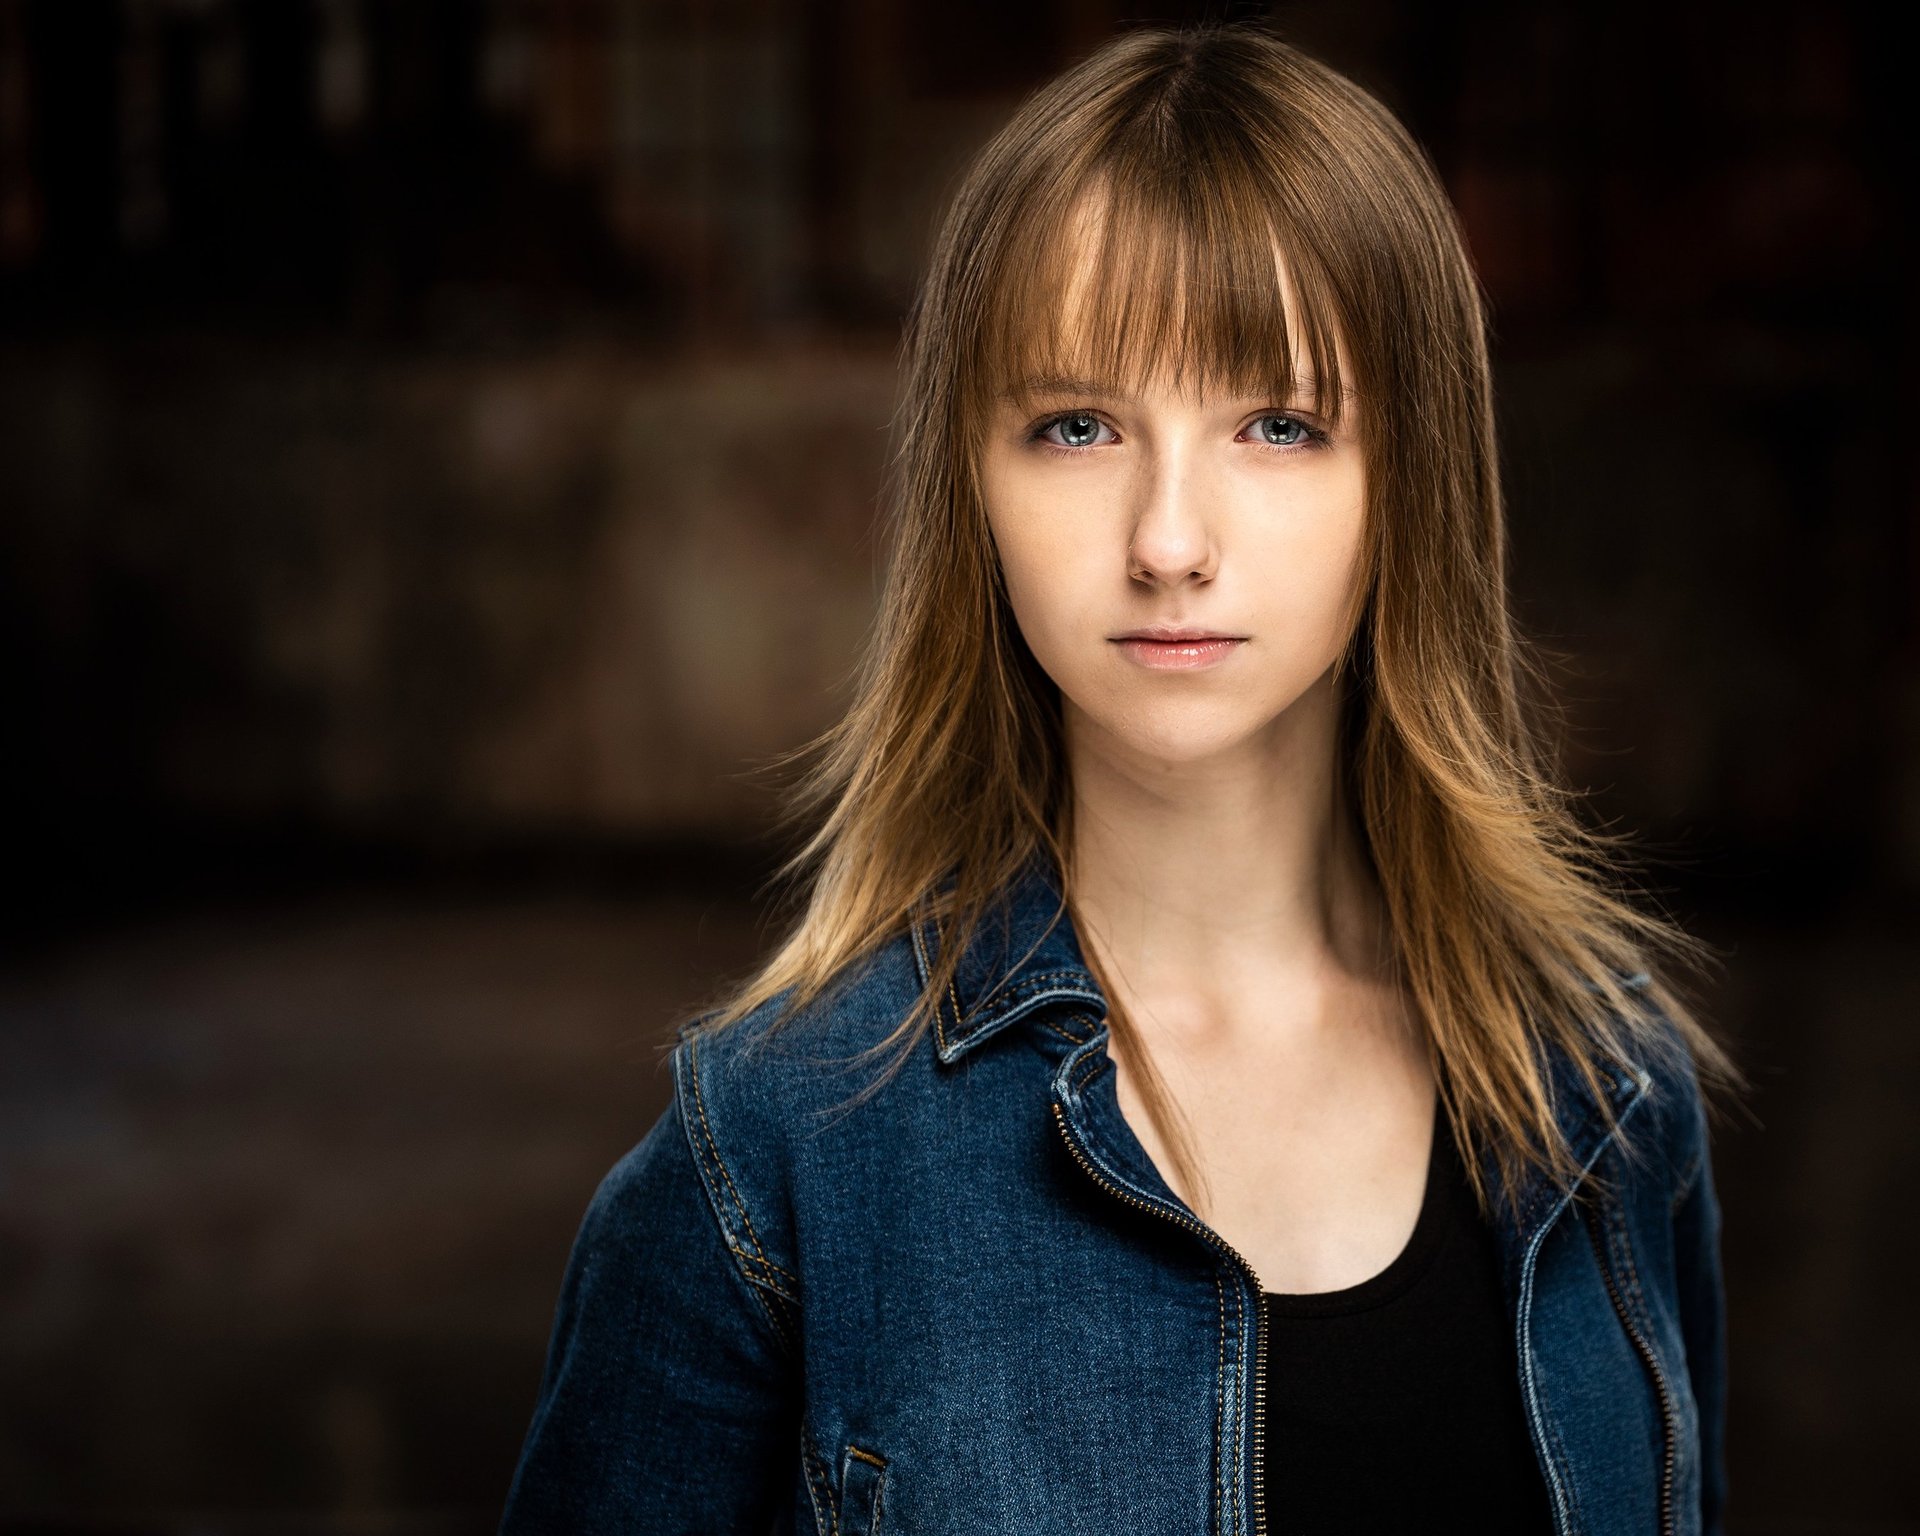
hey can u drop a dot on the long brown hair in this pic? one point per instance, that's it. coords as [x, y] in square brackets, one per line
[1168, 167]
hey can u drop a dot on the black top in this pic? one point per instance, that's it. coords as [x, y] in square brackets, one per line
[1394, 1405]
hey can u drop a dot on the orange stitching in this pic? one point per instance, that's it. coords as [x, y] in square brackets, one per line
[1052, 1024]
[867, 1456]
[699, 1104]
[778, 1324]
[1026, 986]
[818, 1476]
[926, 975]
[765, 1263]
[1019, 991]
[775, 1315]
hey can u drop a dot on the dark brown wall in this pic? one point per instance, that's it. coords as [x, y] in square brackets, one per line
[439, 444]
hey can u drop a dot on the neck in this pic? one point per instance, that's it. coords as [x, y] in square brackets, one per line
[1220, 876]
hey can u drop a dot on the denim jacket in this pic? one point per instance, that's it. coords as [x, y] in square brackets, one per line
[972, 1304]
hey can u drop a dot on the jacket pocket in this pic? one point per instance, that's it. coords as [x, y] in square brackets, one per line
[863, 1486]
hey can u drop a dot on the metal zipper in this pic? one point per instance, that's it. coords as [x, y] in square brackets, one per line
[1259, 1500]
[1647, 1357]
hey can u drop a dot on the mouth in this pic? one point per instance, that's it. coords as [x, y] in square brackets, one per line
[1177, 650]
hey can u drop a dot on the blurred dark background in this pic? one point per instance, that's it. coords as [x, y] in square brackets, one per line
[438, 453]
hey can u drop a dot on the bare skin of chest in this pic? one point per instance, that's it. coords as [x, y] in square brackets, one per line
[1313, 1143]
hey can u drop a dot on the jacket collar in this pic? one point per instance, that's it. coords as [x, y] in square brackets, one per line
[1023, 955]
[1586, 1125]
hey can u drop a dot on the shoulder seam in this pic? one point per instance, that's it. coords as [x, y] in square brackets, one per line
[772, 1285]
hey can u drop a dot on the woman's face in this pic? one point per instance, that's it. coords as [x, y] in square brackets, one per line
[1115, 517]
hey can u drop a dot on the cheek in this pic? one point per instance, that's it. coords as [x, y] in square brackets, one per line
[1059, 587]
[1048, 576]
[1313, 564]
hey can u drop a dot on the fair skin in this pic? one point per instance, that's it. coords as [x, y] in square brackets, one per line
[1217, 879]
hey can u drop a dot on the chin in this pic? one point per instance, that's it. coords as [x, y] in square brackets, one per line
[1173, 736]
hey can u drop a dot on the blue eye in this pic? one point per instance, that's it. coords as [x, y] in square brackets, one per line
[1078, 428]
[1293, 431]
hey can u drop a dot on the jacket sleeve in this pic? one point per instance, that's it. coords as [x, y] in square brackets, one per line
[1702, 1311]
[668, 1401]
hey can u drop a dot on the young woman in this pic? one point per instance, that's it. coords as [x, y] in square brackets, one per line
[1279, 1121]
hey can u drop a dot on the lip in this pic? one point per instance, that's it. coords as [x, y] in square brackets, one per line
[1177, 650]
[1175, 632]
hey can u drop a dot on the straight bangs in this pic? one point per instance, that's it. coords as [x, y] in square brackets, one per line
[1184, 273]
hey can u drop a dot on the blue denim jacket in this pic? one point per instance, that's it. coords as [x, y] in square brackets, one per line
[972, 1304]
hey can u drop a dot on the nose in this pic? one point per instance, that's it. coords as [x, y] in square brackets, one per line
[1173, 535]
